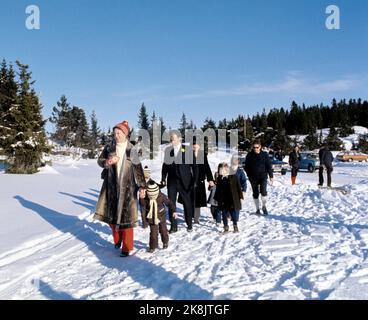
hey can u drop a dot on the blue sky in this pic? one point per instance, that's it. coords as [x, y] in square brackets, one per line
[216, 58]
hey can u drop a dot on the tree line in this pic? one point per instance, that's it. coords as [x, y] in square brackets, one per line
[23, 139]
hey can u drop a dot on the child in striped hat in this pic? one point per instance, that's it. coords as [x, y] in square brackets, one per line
[153, 204]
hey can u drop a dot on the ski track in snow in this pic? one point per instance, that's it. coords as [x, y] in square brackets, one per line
[313, 245]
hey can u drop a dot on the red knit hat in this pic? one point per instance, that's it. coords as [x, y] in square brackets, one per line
[123, 126]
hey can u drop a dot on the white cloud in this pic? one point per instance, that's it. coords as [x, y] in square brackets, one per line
[291, 85]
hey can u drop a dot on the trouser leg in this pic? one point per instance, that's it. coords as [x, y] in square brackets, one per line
[320, 175]
[127, 239]
[172, 194]
[153, 243]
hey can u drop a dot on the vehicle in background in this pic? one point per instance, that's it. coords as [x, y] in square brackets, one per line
[277, 165]
[350, 156]
[309, 161]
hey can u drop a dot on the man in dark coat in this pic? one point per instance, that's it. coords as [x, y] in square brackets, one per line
[123, 176]
[258, 167]
[180, 171]
[326, 159]
[203, 173]
[294, 162]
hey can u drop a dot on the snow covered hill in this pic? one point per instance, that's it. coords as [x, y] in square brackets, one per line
[348, 141]
[312, 246]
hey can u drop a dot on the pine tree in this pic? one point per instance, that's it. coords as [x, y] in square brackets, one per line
[311, 142]
[8, 102]
[143, 122]
[62, 118]
[363, 144]
[332, 140]
[94, 136]
[28, 127]
[79, 128]
[183, 125]
[162, 124]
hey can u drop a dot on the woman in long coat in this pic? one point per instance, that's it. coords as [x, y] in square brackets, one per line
[123, 176]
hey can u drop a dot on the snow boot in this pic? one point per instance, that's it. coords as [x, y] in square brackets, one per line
[293, 181]
[264, 209]
[236, 230]
[226, 229]
[151, 250]
[258, 212]
[124, 254]
[118, 245]
[165, 246]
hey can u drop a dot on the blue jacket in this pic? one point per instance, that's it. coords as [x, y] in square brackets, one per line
[242, 179]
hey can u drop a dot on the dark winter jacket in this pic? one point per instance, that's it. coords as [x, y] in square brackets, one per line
[162, 201]
[203, 173]
[294, 159]
[258, 166]
[228, 193]
[117, 203]
[174, 169]
[325, 157]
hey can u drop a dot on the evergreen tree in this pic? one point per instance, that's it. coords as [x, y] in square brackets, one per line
[28, 127]
[78, 136]
[332, 140]
[311, 142]
[62, 118]
[143, 122]
[94, 136]
[363, 144]
[162, 124]
[8, 104]
[183, 125]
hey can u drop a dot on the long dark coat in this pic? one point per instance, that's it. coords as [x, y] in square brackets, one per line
[203, 173]
[117, 203]
[228, 195]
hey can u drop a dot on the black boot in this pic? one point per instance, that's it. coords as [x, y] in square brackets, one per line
[124, 254]
[166, 245]
[265, 212]
[118, 245]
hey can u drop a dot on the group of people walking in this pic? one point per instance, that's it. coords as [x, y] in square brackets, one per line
[184, 173]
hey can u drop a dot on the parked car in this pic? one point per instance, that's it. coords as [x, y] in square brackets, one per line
[309, 161]
[352, 156]
[279, 166]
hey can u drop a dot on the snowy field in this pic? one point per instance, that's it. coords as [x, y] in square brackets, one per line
[313, 245]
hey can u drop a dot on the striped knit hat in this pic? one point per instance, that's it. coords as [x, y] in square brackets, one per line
[152, 191]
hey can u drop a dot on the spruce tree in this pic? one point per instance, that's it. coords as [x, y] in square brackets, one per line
[332, 140]
[183, 125]
[28, 127]
[8, 102]
[94, 137]
[61, 117]
[143, 122]
[311, 142]
[79, 128]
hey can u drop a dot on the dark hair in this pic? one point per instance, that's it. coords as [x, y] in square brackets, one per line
[256, 141]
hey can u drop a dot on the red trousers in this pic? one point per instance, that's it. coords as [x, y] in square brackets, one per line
[124, 236]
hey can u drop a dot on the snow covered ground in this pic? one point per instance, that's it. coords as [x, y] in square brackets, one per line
[313, 245]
